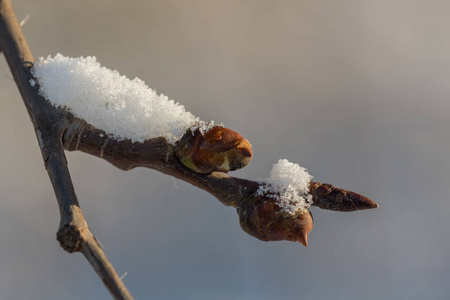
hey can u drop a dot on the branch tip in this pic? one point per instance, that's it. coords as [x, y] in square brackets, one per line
[327, 196]
[69, 237]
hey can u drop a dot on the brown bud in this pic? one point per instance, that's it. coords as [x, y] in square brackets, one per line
[330, 197]
[219, 149]
[262, 218]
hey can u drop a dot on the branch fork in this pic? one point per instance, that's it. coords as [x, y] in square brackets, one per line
[57, 130]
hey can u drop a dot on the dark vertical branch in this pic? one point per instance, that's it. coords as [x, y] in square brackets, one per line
[50, 124]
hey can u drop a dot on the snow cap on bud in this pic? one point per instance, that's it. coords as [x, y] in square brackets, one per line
[280, 209]
[208, 148]
[289, 185]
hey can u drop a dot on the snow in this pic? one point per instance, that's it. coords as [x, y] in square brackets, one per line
[123, 108]
[288, 184]
[203, 126]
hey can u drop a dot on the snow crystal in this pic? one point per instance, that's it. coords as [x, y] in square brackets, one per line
[288, 185]
[123, 108]
[203, 126]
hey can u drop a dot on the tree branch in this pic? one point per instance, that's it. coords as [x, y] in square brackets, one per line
[57, 130]
[73, 234]
[259, 216]
[159, 155]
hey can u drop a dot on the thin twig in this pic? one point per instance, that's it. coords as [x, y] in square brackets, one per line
[24, 21]
[159, 155]
[74, 234]
[74, 134]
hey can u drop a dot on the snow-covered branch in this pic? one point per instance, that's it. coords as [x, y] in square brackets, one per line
[76, 104]
[281, 200]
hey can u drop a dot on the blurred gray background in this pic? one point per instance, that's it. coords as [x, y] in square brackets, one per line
[355, 91]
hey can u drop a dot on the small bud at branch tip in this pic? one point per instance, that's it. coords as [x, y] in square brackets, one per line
[327, 196]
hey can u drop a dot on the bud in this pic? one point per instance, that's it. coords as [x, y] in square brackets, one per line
[218, 149]
[262, 218]
[330, 197]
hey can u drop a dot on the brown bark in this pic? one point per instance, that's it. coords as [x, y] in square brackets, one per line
[50, 124]
[57, 130]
